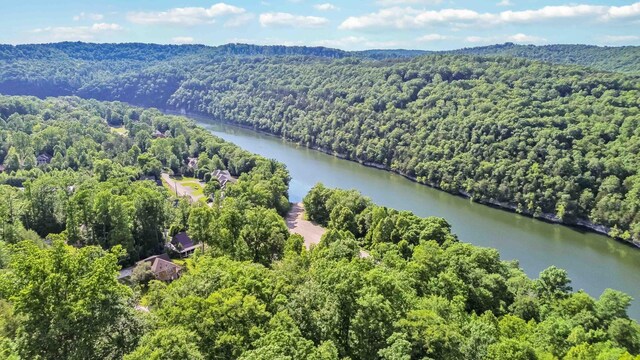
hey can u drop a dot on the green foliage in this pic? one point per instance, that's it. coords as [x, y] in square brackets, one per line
[167, 344]
[69, 302]
[255, 293]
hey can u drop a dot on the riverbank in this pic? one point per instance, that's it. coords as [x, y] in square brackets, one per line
[581, 224]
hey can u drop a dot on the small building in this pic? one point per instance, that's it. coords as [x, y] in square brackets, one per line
[158, 134]
[192, 163]
[223, 177]
[43, 159]
[182, 244]
[161, 267]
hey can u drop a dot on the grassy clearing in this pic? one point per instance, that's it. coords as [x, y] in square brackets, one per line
[120, 130]
[195, 186]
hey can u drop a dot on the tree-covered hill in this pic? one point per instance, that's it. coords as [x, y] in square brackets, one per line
[154, 52]
[624, 59]
[551, 141]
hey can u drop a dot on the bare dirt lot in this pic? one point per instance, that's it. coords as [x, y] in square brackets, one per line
[296, 223]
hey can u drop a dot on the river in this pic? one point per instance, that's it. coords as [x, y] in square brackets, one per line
[594, 262]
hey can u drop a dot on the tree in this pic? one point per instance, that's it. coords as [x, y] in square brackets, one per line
[167, 344]
[553, 283]
[265, 233]
[211, 187]
[284, 340]
[200, 220]
[511, 349]
[70, 301]
[142, 274]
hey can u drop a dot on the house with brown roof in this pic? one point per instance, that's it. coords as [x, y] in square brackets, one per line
[161, 266]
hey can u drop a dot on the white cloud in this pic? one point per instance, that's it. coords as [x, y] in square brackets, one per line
[505, 3]
[407, 2]
[402, 18]
[75, 33]
[182, 40]
[516, 38]
[185, 15]
[291, 20]
[407, 17]
[89, 16]
[432, 37]
[240, 20]
[617, 12]
[325, 7]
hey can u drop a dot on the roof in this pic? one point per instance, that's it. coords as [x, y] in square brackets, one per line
[158, 133]
[125, 273]
[43, 156]
[150, 259]
[223, 176]
[182, 242]
[160, 265]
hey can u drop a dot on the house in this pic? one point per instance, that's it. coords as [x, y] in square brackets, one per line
[43, 159]
[158, 134]
[193, 163]
[182, 244]
[161, 267]
[223, 177]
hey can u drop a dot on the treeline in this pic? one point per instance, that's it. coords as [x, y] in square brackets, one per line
[550, 141]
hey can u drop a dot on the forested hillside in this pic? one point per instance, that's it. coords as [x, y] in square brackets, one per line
[252, 291]
[624, 59]
[550, 141]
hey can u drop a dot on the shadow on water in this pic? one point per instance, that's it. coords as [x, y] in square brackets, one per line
[594, 262]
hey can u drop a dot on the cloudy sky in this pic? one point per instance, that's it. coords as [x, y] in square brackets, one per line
[352, 24]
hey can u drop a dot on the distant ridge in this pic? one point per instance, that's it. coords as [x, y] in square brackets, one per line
[620, 59]
[624, 59]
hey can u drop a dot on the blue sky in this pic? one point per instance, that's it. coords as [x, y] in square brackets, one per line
[351, 25]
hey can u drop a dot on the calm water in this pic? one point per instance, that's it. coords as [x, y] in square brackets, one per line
[594, 262]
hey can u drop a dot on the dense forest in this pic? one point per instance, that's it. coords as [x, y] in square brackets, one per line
[619, 59]
[555, 142]
[381, 284]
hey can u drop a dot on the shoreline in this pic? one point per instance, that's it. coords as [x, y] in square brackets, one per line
[580, 224]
